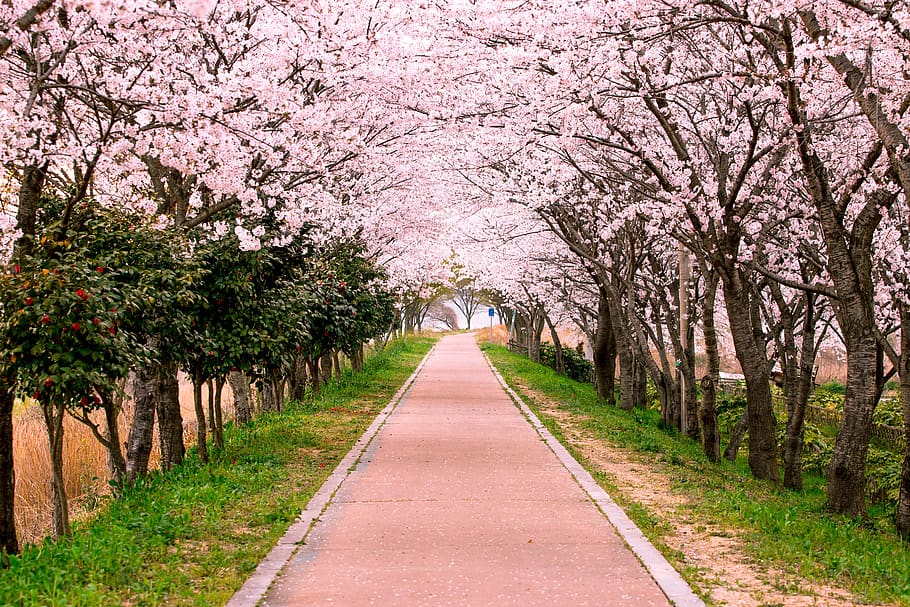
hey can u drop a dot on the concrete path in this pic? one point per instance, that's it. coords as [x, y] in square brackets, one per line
[459, 501]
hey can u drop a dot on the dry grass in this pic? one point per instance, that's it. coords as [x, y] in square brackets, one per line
[85, 471]
[500, 335]
[85, 463]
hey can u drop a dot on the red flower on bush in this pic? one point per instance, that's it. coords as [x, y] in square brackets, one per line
[45, 319]
[48, 382]
[76, 326]
[29, 301]
[96, 321]
[82, 294]
[100, 270]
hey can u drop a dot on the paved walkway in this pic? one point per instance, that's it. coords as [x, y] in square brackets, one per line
[458, 501]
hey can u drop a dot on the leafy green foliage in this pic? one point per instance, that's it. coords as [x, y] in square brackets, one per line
[75, 312]
[731, 406]
[577, 366]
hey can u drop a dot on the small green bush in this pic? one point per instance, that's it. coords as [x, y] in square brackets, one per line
[889, 412]
[577, 366]
[832, 387]
[730, 408]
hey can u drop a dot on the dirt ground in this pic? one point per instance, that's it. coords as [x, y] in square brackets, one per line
[725, 572]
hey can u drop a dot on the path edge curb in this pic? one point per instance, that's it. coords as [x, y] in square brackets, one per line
[257, 585]
[668, 579]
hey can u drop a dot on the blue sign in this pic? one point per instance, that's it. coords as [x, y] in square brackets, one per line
[492, 312]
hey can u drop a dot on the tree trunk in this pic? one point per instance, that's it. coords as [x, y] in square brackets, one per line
[754, 362]
[115, 460]
[847, 471]
[903, 500]
[798, 400]
[314, 373]
[336, 364]
[267, 393]
[53, 422]
[29, 201]
[298, 379]
[604, 353]
[200, 417]
[218, 431]
[736, 438]
[627, 370]
[325, 364]
[357, 358]
[240, 386]
[9, 543]
[535, 331]
[278, 390]
[707, 411]
[688, 370]
[849, 264]
[707, 419]
[139, 441]
[559, 360]
[640, 384]
[170, 419]
[210, 402]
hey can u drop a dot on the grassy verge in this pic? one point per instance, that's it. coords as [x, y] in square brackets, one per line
[193, 535]
[780, 529]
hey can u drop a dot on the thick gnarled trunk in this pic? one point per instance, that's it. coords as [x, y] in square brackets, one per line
[139, 441]
[750, 353]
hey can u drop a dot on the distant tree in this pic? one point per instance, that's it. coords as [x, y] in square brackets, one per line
[466, 296]
[444, 315]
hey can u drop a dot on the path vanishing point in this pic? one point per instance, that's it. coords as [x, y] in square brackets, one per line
[457, 496]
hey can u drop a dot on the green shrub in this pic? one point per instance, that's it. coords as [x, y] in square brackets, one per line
[577, 366]
[730, 407]
[832, 387]
[889, 412]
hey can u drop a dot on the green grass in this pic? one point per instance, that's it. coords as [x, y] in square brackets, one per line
[781, 530]
[193, 535]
